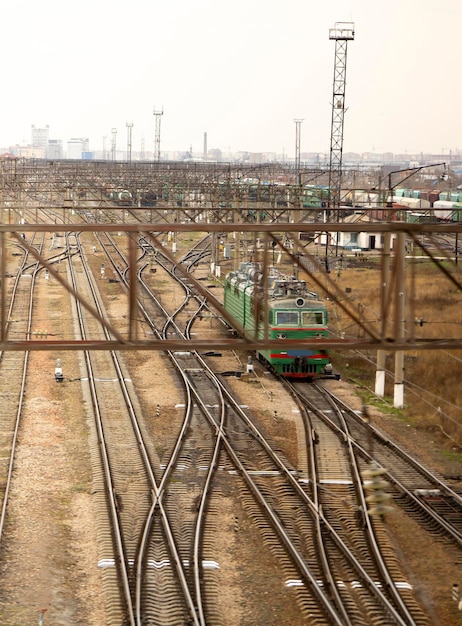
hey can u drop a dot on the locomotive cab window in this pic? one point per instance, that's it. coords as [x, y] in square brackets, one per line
[287, 318]
[310, 318]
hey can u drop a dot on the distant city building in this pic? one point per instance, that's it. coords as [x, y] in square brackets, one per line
[54, 149]
[40, 137]
[215, 154]
[77, 147]
[28, 152]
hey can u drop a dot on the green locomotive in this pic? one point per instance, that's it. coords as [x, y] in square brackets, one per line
[293, 313]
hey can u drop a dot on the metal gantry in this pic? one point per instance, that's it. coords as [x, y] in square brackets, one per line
[257, 208]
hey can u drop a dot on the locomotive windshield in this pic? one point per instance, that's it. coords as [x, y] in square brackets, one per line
[312, 317]
[308, 318]
[287, 318]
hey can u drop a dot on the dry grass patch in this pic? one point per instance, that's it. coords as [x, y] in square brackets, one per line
[433, 394]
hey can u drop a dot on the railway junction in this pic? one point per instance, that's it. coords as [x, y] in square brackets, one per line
[154, 471]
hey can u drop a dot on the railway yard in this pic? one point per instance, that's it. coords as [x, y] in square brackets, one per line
[185, 483]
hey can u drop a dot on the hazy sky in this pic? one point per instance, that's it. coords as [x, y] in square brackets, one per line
[240, 71]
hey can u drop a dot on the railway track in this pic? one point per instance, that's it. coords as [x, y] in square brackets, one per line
[274, 489]
[20, 293]
[159, 554]
[210, 403]
[422, 493]
[139, 557]
[13, 365]
[338, 488]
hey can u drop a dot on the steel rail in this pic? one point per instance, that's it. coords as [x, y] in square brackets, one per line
[345, 437]
[17, 420]
[371, 584]
[121, 560]
[158, 492]
[221, 432]
[380, 439]
[293, 551]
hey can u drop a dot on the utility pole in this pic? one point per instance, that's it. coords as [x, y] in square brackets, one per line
[298, 123]
[385, 291]
[129, 141]
[205, 155]
[400, 323]
[400, 291]
[158, 115]
[114, 144]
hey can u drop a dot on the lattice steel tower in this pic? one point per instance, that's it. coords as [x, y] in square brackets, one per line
[158, 116]
[342, 33]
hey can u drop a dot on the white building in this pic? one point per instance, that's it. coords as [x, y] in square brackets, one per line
[40, 137]
[55, 149]
[359, 239]
[76, 147]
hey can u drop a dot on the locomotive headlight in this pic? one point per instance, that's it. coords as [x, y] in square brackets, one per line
[300, 302]
[281, 336]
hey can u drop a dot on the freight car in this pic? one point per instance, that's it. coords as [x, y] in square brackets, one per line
[447, 211]
[293, 313]
[123, 197]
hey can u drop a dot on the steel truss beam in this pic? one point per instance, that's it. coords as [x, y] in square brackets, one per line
[373, 337]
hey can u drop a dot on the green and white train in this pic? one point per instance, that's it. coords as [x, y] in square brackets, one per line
[293, 313]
